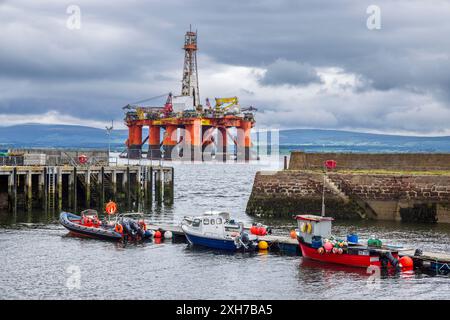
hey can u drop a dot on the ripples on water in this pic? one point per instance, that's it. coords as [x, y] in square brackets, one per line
[36, 253]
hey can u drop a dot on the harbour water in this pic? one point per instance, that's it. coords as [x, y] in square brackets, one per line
[39, 259]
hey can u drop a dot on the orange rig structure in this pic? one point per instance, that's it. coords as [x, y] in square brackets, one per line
[183, 128]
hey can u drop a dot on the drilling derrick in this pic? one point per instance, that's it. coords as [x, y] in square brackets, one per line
[189, 86]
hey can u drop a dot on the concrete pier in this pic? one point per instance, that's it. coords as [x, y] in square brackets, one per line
[78, 187]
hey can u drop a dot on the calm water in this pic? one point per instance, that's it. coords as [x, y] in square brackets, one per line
[38, 256]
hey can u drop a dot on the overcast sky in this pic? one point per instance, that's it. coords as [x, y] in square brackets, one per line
[303, 64]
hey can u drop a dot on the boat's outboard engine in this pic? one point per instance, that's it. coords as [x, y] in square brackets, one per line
[245, 241]
[136, 228]
[388, 257]
[127, 228]
[418, 263]
[244, 237]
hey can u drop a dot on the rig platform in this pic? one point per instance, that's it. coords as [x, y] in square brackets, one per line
[185, 129]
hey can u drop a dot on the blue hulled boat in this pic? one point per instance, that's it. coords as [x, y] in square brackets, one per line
[217, 231]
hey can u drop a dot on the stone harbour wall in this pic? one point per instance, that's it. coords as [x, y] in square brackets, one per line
[428, 188]
[366, 161]
[420, 198]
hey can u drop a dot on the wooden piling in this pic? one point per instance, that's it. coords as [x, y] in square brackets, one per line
[29, 190]
[59, 187]
[168, 186]
[75, 189]
[114, 182]
[150, 186]
[158, 185]
[102, 186]
[138, 184]
[41, 188]
[45, 202]
[12, 190]
[128, 188]
[88, 187]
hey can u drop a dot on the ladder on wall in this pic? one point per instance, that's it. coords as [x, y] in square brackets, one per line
[143, 180]
[51, 187]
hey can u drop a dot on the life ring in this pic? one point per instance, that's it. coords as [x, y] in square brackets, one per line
[83, 159]
[111, 207]
[118, 228]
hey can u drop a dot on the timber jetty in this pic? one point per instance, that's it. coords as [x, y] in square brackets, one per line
[398, 187]
[59, 182]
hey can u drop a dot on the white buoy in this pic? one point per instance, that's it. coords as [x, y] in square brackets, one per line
[168, 235]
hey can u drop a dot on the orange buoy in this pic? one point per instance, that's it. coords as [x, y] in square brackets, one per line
[254, 230]
[293, 234]
[406, 262]
[157, 234]
[262, 231]
[118, 228]
[111, 207]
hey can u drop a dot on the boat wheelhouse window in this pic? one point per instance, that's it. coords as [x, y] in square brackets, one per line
[219, 221]
[232, 229]
[213, 221]
[205, 221]
[196, 222]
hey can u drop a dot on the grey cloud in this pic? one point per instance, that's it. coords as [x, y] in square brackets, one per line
[124, 52]
[289, 72]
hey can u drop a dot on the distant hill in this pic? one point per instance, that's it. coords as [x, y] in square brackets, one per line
[313, 140]
[310, 140]
[58, 136]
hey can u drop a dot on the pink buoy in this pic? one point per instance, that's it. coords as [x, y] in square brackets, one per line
[328, 246]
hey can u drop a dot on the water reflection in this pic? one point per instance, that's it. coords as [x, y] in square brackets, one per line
[35, 246]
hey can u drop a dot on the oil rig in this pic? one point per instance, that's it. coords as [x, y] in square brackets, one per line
[184, 128]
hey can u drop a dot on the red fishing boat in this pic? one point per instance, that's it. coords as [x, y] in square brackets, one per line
[317, 243]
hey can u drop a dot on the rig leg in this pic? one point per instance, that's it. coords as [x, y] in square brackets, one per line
[222, 149]
[170, 141]
[193, 140]
[134, 141]
[244, 141]
[154, 151]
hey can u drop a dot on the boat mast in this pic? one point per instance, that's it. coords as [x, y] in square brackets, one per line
[323, 195]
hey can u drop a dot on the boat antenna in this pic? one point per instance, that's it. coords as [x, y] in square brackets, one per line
[323, 193]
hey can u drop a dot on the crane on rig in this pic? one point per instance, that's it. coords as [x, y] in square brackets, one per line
[227, 104]
[142, 113]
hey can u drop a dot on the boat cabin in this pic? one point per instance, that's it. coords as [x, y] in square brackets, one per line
[310, 226]
[214, 224]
